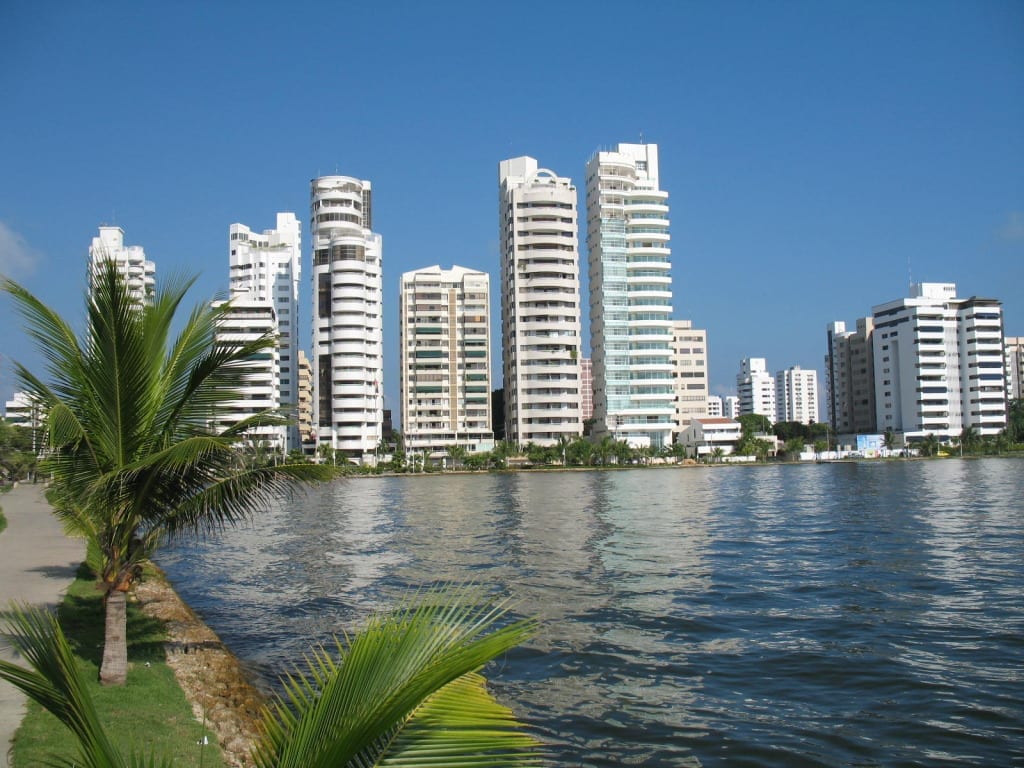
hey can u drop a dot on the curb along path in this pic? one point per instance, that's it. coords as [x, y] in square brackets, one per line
[37, 563]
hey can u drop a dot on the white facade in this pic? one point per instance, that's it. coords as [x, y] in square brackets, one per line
[731, 407]
[939, 364]
[246, 321]
[690, 374]
[21, 410]
[138, 272]
[796, 395]
[264, 269]
[756, 388]
[445, 351]
[540, 303]
[348, 330]
[714, 407]
[630, 297]
[1015, 367]
[702, 436]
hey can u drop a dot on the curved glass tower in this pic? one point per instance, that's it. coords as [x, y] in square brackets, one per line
[630, 297]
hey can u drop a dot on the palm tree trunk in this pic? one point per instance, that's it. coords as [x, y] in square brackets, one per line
[114, 670]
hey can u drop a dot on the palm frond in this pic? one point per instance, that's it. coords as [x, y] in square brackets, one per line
[55, 683]
[382, 694]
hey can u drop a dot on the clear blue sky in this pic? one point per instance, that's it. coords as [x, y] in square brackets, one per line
[815, 153]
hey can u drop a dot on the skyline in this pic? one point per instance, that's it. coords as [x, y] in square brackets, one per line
[817, 158]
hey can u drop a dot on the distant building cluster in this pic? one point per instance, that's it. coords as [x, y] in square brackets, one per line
[928, 364]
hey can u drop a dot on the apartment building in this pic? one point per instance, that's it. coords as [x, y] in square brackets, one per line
[939, 364]
[348, 331]
[796, 395]
[246, 320]
[756, 388]
[850, 378]
[690, 373]
[540, 303]
[307, 433]
[22, 411]
[715, 407]
[731, 407]
[630, 296]
[264, 271]
[139, 273]
[445, 349]
[1015, 367]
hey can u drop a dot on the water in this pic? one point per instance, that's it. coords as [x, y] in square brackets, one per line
[867, 614]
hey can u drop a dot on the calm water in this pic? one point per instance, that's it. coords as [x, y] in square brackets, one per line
[842, 614]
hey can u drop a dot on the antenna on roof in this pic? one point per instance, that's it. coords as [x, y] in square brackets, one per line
[910, 275]
[641, 137]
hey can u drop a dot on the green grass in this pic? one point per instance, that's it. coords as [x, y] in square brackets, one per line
[149, 715]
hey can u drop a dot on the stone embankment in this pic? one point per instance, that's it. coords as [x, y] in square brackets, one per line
[212, 678]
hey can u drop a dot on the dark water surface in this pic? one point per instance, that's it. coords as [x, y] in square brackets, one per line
[867, 614]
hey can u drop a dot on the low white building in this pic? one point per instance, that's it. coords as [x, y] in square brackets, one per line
[22, 411]
[703, 435]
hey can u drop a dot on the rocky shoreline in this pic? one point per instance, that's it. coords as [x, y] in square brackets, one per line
[211, 677]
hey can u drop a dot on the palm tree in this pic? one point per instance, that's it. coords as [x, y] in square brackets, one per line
[404, 691]
[457, 454]
[929, 445]
[130, 437]
[969, 439]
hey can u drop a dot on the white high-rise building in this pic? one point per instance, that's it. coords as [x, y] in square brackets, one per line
[138, 272]
[1015, 367]
[264, 272]
[756, 388]
[939, 364]
[540, 303]
[630, 296]
[348, 329]
[246, 320]
[445, 350]
[796, 395]
[690, 374]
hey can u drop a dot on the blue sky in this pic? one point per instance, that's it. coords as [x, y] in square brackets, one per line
[817, 154]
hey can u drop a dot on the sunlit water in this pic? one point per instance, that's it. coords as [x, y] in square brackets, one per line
[844, 614]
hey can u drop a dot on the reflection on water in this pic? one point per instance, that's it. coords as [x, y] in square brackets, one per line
[845, 614]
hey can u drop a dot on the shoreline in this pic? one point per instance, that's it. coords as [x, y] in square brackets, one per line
[221, 693]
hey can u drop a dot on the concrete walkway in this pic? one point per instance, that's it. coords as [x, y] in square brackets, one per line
[37, 563]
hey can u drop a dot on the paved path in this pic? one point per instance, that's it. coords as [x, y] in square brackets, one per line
[37, 563]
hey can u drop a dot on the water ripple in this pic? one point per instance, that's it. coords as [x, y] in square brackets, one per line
[859, 614]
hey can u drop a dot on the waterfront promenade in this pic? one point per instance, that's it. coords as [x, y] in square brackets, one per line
[37, 563]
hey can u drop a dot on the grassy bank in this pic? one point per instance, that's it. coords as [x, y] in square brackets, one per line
[150, 715]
